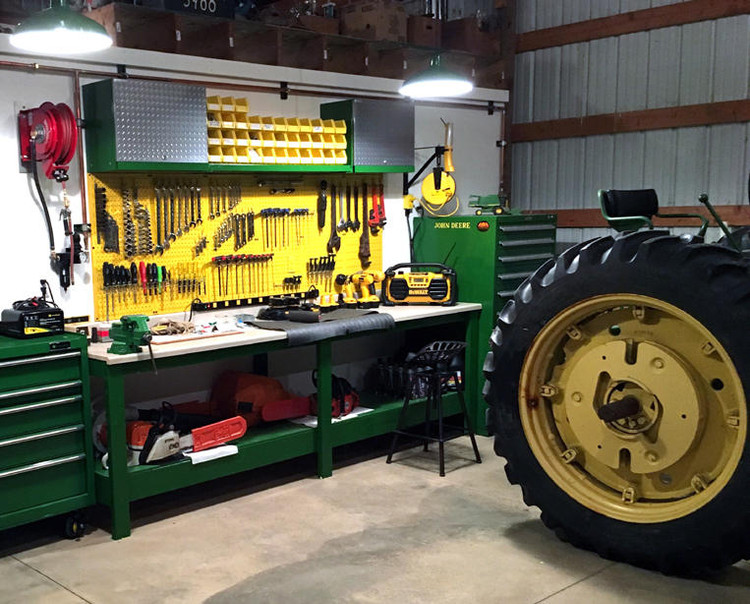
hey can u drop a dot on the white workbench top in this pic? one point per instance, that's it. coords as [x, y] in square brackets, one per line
[255, 335]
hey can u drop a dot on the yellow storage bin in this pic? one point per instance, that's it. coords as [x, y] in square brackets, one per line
[227, 120]
[268, 156]
[213, 103]
[214, 137]
[305, 140]
[229, 155]
[241, 105]
[294, 156]
[227, 138]
[329, 127]
[328, 141]
[305, 125]
[279, 124]
[282, 156]
[254, 138]
[316, 156]
[227, 103]
[292, 140]
[268, 139]
[253, 122]
[255, 155]
[213, 119]
[340, 126]
[340, 155]
[241, 139]
[339, 141]
[305, 156]
[240, 121]
[317, 140]
[329, 156]
[292, 124]
[214, 155]
[242, 156]
[317, 125]
[266, 124]
[281, 139]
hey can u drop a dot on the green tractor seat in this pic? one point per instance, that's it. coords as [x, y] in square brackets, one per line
[632, 210]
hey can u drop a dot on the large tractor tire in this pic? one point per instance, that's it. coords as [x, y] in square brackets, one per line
[618, 382]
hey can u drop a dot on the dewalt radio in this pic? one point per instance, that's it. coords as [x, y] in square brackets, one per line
[420, 286]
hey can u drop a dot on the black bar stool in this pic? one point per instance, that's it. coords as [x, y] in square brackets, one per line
[432, 365]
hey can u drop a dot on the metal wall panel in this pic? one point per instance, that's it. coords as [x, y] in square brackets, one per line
[522, 88]
[663, 67]
[521, 175]
[544, 190]
[696, 62]
[576, 10]
[627, 6]
[691, 166]
[659, 166]
[546, 105]
[598, 170]
[727, 148]
[604, 8]
[631, 72]
[602, 77]
[573, 79]
[628, 164]
[570, 193]
[525, 15]
[731, 59]
[549, 13]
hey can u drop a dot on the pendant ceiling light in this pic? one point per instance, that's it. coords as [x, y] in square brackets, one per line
[59, 30]
[435, 82]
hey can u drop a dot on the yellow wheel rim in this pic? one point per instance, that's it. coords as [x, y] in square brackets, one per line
[677, 447]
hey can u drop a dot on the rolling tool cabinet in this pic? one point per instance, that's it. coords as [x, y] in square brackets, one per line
[46, 463]
[492, 255]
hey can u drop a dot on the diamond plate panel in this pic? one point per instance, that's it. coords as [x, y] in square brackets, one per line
[383, 133]
[159, 122]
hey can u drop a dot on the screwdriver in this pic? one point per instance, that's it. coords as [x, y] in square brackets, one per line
[142, 268]
[134, 281]
[107, 283]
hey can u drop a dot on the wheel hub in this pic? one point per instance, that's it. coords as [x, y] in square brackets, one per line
[632, 407]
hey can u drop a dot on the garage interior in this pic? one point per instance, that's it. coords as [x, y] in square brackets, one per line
[573, 103]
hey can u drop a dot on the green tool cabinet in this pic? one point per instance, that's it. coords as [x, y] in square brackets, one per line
[46, 465]
[492, 255]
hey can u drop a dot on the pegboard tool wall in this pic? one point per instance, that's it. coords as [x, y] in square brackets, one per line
[242, 238]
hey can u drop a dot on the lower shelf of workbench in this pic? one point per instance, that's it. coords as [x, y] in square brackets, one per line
[263, 446]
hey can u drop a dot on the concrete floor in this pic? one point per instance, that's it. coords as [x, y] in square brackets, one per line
[371, 533]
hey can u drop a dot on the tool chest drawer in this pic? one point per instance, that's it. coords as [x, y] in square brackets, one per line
[27, 372]
[46, 465]
[45, 482]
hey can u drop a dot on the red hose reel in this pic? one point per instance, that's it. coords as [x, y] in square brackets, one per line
[53, 132]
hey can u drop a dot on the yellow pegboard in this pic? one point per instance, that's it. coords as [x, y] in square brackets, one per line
[211, 256]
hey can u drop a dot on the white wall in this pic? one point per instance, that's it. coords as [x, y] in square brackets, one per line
[23, 238]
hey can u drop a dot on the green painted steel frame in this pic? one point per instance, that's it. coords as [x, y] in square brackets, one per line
[120, 485]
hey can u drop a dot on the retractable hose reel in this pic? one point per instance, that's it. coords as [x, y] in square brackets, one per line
[49, 134]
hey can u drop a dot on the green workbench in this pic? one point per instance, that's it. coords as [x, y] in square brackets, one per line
[119, 485]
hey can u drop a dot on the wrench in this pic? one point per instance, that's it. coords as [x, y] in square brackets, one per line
[349, 223]
[334, 241]
[159, 248]
[172, 235]
[192, 206]
[179, 213]
[341, 226]
[198, 197]
[356, 223]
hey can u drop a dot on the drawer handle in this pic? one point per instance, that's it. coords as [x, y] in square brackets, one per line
[510, 259]
[51, 463]
[522, 242]
[522, 229]
[40, 435]
[40, 359]
[39, 390]
[43, 405]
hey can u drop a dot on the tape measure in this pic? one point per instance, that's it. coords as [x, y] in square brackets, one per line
[420, 286]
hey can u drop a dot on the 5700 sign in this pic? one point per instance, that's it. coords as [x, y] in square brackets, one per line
[215, 8]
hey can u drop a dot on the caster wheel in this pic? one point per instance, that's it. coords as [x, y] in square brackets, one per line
[75, 527]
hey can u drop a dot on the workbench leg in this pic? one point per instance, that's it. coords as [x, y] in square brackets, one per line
[323, 439]
[474, 379]
[118, 462]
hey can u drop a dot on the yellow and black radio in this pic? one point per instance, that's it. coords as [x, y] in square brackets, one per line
[420, 286]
